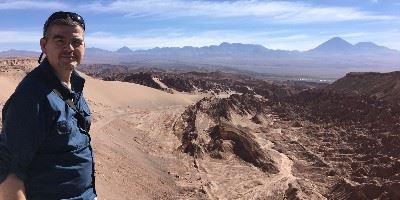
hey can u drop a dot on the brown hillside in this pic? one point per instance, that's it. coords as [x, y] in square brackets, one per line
[383, 86]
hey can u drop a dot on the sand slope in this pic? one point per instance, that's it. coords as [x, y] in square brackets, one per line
[121, 94]
[7, 86]
[124, 167]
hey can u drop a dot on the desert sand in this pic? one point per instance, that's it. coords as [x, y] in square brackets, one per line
[131, 137]
[132, 140]
[136, 151]
[151, 144]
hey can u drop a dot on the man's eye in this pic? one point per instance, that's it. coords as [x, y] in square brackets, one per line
[76, 43]
[59, 42]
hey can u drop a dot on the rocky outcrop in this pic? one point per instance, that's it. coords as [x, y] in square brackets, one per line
[243, 144]
[349, 190]
[18, 64]
[141, 78]
[380, 86]
[355, 131]
[178, 84]
[218, 135]
[197, 82]
[347, 110]
[346, 189]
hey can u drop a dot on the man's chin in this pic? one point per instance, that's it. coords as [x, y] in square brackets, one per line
[70, 65]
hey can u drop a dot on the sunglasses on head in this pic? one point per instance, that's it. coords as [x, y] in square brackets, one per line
[64, 15]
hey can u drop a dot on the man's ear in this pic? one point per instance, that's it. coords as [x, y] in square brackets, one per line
[43, 42]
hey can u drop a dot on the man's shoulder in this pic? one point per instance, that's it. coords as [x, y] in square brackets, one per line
[31, 90]
[33, 85]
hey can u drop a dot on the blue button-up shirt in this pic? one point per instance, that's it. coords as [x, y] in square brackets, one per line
[41, 141]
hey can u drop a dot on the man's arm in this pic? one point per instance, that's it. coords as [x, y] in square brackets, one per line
[12, 188]
[22, 133]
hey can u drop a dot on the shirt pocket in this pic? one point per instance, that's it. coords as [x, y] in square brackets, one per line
[63, 127]
[68, 138]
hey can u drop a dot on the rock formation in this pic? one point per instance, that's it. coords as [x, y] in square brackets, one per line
[17, 64]
[215, 137]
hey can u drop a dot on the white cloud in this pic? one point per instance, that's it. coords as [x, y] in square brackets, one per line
[20, 5]
[19, 40]
[19, 37]
[273, 11]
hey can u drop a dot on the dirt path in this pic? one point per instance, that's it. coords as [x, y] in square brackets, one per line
[134, 154]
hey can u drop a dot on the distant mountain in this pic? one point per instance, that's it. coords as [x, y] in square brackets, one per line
[213, 50]
[339, 46]
[93, 50]
[333, 58]
[334, 45]
[238, 48]
[18, 53]
[124, 50]
[366, 47]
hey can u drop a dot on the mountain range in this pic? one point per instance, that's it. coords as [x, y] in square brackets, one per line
[332, 58]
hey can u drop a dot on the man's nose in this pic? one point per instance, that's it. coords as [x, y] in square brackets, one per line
[69, 46]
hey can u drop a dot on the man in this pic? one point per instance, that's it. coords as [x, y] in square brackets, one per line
[45, 150]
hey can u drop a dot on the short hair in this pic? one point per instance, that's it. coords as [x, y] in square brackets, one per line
[63, 18]
[68, 22]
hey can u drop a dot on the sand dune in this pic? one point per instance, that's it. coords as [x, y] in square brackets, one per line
[7, 86]
[124, 167]
[131, 142]
[121, 94]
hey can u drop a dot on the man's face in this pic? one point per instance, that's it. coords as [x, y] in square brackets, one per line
[64, 47]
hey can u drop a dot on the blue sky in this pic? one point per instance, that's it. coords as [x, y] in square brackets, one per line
[144, 24]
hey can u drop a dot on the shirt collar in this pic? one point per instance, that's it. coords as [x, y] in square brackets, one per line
[77, 82]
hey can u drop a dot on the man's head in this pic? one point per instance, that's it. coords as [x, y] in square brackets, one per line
[63, 40]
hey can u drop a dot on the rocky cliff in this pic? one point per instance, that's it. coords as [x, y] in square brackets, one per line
[17, 64]
[380, 86]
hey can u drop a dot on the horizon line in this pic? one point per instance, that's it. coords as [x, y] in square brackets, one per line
[231, 43]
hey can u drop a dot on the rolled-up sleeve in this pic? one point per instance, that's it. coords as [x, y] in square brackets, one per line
[23, 132]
